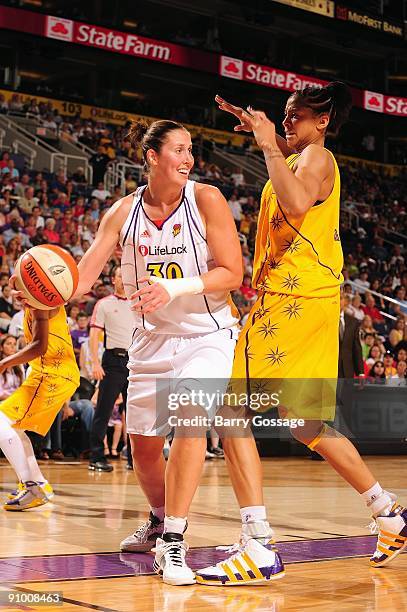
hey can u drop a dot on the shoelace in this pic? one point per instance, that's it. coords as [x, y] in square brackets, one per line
[231, 548]
[373, 526]
[142, 530]
[176, 552]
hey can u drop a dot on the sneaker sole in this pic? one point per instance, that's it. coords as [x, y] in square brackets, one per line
[138, 547]
[21, 509]
[389, 559]
[218, 583]
[174, 581]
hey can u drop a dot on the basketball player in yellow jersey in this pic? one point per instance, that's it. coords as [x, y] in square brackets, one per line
[53, 379]
[292, 330]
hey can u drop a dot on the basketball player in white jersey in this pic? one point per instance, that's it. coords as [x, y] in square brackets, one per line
[180, 235]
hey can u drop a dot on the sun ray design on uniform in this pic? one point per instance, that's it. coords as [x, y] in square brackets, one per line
[57, 364]
[60, 351]
[268, 329]
[276, 357]
[260, 313]
[273, 264]
[292, 310]
[260, 387]
[292, 245]
[249, 354]
[52, 388]
[49, 401]
[291, 282]
[277, 222]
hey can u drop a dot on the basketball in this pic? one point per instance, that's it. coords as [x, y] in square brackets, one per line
[47, 275]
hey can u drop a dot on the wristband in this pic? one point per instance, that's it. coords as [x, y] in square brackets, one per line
[176, 287]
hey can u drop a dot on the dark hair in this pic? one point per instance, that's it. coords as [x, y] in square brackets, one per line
[152, 136]
[17, 369]
[372, 372]
[82, 314]
[334, 99]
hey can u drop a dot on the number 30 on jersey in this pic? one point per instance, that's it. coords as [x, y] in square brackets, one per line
[172, 270]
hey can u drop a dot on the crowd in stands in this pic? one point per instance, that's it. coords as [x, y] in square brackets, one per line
[39, 207]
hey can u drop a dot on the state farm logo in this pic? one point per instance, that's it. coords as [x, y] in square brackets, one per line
[231, 67]
[59, 28]
[374, 101]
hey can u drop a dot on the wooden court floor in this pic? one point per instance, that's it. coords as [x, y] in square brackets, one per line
[71, 545]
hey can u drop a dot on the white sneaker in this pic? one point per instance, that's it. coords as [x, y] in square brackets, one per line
[392, 539]
[31, 495]
[255, 561]
[170, 561]
[144, 538]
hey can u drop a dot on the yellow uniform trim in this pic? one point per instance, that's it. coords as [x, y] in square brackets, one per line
[252, 565]
[228, 572]
[241, 570]
[318, 438]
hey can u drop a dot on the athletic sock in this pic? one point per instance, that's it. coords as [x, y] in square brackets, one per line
[35, 472]
[158, 512]
[175, 524]
[378, 501]
[13, 449]
[253, 514]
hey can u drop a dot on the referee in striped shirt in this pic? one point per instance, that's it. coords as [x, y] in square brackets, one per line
[111, 314]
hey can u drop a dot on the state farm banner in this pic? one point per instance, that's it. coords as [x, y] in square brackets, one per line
[126, 43]
[321, 7]
[140, 47]
[390, 105]
[234, 68]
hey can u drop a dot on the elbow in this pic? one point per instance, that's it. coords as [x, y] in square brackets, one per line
[236, 281]
[296, 208]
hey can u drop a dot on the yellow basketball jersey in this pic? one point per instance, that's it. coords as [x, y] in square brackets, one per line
[299, 256]
[59, 359]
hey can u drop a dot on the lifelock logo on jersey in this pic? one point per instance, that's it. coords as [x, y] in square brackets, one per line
[156, 250]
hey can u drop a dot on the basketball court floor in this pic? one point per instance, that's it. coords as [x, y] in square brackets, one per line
[72, 545]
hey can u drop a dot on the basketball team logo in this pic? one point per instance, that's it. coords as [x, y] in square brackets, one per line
[143, 250]
[61, 29]
[176, 229]
[231, 67]
[374, 101]
[55, 270]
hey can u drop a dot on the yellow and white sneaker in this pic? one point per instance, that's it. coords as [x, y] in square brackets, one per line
[392, 538]
[255, 561]
[46, 487]
[31, 496]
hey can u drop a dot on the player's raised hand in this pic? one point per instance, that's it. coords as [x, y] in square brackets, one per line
[17, 295]
[237, 111]
[151, 297]
[263, 128]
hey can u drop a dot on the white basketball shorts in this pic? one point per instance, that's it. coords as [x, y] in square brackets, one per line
[161, 365]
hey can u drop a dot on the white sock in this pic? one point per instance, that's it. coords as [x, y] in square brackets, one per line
[252, 514]
[174, 524]
[377, 500]
[35, 472]
[13, 449]
[158, 512]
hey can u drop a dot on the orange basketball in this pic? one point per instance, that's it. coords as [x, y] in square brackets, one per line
[47, 275]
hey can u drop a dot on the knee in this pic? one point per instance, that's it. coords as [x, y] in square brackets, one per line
[307, 433]
[146, 450]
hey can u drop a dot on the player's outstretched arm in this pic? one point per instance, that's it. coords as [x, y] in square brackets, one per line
[245, 126]
[107, 237]
[38, 344]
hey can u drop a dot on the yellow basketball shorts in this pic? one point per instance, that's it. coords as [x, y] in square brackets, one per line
[36, 403]
[288, 351]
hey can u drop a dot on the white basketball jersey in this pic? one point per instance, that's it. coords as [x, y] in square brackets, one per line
[178, 249]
